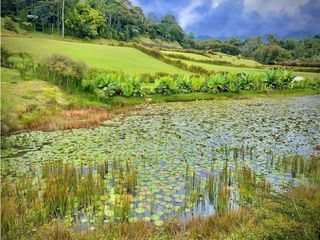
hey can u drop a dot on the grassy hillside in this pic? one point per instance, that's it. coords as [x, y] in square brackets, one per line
[231, 69]
[234, 59]
[217, 57]
[127, 59]
[190, 55]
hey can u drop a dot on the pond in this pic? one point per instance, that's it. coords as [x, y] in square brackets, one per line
[172, 160]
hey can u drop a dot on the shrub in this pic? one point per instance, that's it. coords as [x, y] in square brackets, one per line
[233, 83]
[5, 54]
[26, 25]
[197, 83]
[247, 81]
[184, 84]
[165, 86]
[217, 83]
[306, 83]
[197, 69]
[104, 85]
[131, 86]
[10, 25]
[271, 78]
[63, 71]
[23, 62]
[285, 78]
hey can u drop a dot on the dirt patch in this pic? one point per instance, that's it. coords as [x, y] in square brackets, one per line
[239, 98]
[70, 118]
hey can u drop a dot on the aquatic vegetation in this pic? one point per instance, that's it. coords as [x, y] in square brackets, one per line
[164, 163]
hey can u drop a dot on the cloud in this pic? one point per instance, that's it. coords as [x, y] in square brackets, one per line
[271, 7]
[240, 17]
[215, 3]
[190, 15]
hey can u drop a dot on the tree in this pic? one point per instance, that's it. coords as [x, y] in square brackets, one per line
[84, 21]
[250, 45]
[62, 19]
[229, 49]
[272, 39]
[270, 54]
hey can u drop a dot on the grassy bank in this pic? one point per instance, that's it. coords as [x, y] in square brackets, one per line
[186, 97]
[38, 105]
[33, 104]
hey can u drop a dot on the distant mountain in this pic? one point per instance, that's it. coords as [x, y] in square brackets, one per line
[298, 35]
[264, 38]
[204, 37]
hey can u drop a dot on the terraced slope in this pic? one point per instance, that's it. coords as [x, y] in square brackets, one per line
[217, 57]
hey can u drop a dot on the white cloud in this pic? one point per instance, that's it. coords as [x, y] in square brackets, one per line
[189, 15]
[266, 7]
[215, 3]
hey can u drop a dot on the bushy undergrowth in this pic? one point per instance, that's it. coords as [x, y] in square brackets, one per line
[23, 62]
[215, 83]
[76, 76]
[10, 25]
[62, 71]
[110, 84]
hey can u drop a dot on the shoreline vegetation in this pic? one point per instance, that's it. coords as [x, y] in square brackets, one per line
[45, 208]
[274, 217]
[61, 110]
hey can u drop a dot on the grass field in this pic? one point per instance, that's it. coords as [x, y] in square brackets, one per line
[190, 55]
[126, 59]
[217, 57]
[231, 69]
[234, 59]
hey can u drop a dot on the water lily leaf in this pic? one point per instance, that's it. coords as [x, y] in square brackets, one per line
[140, 210]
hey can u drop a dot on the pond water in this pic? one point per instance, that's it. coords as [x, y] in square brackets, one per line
[193, 158]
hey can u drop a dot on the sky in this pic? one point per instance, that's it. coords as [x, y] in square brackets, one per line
[239, 18]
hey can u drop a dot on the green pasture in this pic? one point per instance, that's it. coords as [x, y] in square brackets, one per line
[234, 59]
[232, 69]
[190, 55]
[126, 59]
[218, 57]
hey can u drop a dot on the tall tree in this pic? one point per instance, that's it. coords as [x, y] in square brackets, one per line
[62, 19]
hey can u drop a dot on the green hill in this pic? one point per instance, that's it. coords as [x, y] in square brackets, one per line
[126, 59]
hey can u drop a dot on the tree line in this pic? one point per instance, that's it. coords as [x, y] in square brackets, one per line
[120, 20]
[304, 52]
[112, 19]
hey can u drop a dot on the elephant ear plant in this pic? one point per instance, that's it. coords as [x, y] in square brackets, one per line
[285, 78]
[165, 85]
[131, 86]
[184, 84]
[217, 83]
[104, 85]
